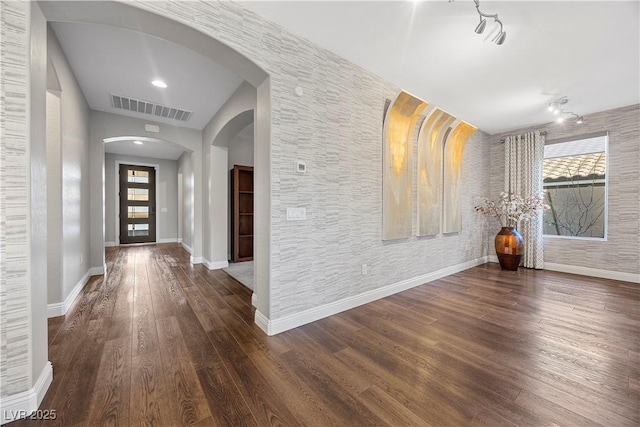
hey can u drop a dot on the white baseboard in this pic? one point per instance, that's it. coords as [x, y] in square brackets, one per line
[110, 244]
[186, 248]
[167, 240]
[264, 323]
[215, 265]
[61, 308]
[98, 271]
[586, 271]
[192, 259]
[179, 239]
[593, 272]
[20, 405]
[254, 300]
[276, 326]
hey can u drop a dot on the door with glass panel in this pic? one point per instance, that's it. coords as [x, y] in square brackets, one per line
[137, 204]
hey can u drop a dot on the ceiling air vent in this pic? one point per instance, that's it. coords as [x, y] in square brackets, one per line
[151, 108]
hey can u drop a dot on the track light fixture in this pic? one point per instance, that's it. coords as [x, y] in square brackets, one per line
[501, 36]
[556, 105]
[480, 28]
[563, 116]
[556, 108]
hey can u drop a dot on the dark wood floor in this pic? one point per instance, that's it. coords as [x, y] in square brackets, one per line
[161, 342]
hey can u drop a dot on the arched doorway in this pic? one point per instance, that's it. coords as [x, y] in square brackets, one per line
[136, 19]
[121, 147]
[220, 193]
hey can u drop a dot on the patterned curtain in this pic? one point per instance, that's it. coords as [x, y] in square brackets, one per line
[523, 158]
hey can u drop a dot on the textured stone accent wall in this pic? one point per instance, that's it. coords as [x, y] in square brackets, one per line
[621, 251]
[336, 128]
[14, 198]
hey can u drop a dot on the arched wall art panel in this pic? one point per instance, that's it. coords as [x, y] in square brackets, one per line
[430, 148]
[452, 201]
[398, 133]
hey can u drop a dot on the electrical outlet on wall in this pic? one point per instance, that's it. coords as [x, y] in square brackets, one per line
[81, 259]
[364, 269]
[301, 167]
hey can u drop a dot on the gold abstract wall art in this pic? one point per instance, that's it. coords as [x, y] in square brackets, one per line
[452, 197]
[430, 151]
[398, 134]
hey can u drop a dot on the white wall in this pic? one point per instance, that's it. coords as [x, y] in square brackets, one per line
[220, 215]
[75, 176]
[97, 203]
[241, 148]
[185, 168]
[224, 126]
[106, 125]
[38, 208]
[262, 201]
[166, 196]
[54, 194]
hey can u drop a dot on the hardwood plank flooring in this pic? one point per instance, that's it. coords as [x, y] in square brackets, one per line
[160, 342]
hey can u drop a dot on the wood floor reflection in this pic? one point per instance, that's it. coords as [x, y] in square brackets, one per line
[161, 342]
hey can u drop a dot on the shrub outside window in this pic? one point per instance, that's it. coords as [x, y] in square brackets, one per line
[575, 187]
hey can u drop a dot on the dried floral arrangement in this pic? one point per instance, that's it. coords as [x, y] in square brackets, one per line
[511, 208]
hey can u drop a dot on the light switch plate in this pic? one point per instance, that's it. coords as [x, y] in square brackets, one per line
[296, 214]
[164, 210]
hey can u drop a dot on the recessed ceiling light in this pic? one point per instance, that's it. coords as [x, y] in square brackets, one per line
[159, 83]
[137, 142]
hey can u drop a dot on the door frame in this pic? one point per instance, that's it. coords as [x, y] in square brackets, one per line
[117, 195]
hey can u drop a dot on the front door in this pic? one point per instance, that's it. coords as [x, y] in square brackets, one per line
[137, 204]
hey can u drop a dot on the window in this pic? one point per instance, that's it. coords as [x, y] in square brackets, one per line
[140, 194]
[138, 211]
[141, 177]
[575, 187]
[138, 229]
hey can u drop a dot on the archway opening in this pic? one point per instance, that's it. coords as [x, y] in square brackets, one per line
[232, 156]
[137, 19]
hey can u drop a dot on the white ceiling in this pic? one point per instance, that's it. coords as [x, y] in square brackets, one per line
[151, 147]
[108, 60]
[586, 50]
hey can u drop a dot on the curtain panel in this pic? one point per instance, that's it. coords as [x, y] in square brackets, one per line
[523, 159]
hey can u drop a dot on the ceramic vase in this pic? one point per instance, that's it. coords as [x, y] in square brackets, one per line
[509, 247]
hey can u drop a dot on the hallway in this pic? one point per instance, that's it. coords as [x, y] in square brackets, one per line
[161, 342]
[137, 348]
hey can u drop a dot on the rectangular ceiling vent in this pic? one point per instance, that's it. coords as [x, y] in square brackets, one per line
[151, 108]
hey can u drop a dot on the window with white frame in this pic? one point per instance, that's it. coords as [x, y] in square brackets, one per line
[575, 187]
